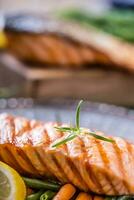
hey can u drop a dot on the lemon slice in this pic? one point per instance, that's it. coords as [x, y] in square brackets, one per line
[12, 186]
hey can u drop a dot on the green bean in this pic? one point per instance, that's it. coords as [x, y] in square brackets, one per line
[54, 181]
[35, 196]
[47, 195]
[39, 184]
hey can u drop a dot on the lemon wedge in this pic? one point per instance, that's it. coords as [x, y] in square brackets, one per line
[3, 40]
[12, 186]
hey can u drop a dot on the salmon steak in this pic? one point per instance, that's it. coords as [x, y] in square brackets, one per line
[86, 162]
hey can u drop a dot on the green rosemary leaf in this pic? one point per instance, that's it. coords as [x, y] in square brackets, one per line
[78, 114]
[65, 129]
[100, 137]
[67, 139]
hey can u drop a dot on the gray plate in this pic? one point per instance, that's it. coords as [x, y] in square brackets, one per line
[112, 120]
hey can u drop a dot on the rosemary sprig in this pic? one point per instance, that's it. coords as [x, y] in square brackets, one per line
[75, 131]
[78, 115]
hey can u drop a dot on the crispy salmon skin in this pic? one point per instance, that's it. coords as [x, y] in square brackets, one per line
[88, 163]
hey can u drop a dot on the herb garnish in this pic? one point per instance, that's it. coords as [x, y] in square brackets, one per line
[75, 131]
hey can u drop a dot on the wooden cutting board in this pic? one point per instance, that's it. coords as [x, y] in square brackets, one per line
[93, 84]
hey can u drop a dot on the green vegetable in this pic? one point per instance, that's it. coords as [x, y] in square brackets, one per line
[35, 196]
[75, 131]
[65, 129]
[54, 181]
[67, 139]
[47, 195]
[78, 115]
[99, 137]
[116, 22]
[38, 184]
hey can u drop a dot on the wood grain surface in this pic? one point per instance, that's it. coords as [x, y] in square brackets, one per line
[96, 84]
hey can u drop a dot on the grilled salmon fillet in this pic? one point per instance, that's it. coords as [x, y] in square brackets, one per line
[31, 40]
[52, 49]
[90, 164]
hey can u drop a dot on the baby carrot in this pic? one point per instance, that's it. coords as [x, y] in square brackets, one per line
[84, 196]
[65, 193]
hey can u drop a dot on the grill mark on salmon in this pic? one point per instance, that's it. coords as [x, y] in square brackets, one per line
[46, 169]
[49, 45]
[42, 53]
[25, 157]
[68, 52]
[73, 167]
[46, 51]
[51, 160]
[114, 165]
[93, 178]
[59, 164]
[59, 167]
[12, 159]
[6, 157]
[37, 164]
[54, 169]
[68, 167]
[40, 153]
[89, 168]
[76, 173]
[129, 149]
[16, 163]
[104, 182]
[24, 165]
[45, 158]
[105, 161]
[119, 158]
[60, 55]
[91, 171]
[102, 177]
[47, 138]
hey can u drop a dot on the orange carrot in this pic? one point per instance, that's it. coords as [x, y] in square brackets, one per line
[84, 196]
[65, 193]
